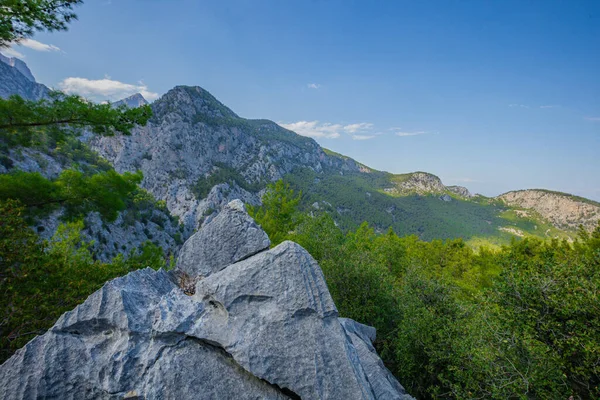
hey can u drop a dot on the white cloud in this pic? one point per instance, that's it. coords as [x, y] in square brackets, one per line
[519, 105]
[37, 46]
[327, 130]
[313, 85]
[30, 44]
[11, 52]
[404, 134]
[594, 119]
[363, 137]
[360, 127]
[549, 106]
[104, 89]
[315, 129]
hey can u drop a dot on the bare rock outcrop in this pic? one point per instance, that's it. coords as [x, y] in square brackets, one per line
[562, 210]
[257, 323]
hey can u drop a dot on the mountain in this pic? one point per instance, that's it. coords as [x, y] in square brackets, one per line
[196, 154]
[133, 101]
[193, 138]
[16, 78]
[19, 65]
[563, 210]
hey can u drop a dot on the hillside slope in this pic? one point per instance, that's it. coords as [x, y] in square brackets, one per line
[562, 210]
[196, 154]
[145, 220]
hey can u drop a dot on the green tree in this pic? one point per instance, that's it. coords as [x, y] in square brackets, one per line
[547, 297]
[41, 280]
[22, 121]
[19, 19]
[105, 192]
[278, 214]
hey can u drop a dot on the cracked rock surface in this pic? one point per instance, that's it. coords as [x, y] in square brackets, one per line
[258, 323]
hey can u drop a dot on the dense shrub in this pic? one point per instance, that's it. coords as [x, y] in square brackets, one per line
[522, 322]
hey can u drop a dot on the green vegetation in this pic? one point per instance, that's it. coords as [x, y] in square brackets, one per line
[519, 322]
[19, 19]
[356, 197]
[278, 213]
[40, 280]
[222, 174]
[105, 192]
[61, 115]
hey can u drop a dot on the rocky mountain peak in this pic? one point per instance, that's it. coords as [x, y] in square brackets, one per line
[235, 319]
[16, 78]
[133, 101]
[460, 190]
[193, 102]
[19, 65]
[421, 183]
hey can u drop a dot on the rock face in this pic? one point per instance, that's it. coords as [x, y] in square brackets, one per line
[460, 190]
[133, 101]
[229, 238]
[15, 78]
[562, 210]
[192, 136]
[257, 326]
[18, 65]
[421, 183]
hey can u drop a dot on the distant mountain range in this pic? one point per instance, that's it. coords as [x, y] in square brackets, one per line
[197, 155]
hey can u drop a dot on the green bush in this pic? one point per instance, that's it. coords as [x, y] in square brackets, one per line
[39, 281]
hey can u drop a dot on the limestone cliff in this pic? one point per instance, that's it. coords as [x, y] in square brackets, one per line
[193, 136]
[562, 210]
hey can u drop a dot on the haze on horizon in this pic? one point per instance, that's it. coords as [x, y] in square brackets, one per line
[493, 96]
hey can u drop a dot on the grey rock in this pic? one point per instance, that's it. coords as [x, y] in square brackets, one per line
[265, 327]
[133, 101]
[228, 238]
[460, 190]
[192, 136]
[19, 65]
[445, 197]
[383, 384]
[15, 78]
[106, 349]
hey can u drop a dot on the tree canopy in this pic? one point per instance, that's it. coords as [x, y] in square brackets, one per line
[521, 322]
[19, 19]
[21, 120]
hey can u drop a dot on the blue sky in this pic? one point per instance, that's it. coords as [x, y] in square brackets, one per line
[492, 95]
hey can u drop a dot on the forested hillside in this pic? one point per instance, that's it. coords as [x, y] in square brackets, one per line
[520, 322]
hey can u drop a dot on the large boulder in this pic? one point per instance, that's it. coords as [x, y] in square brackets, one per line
[234, 320]
[230, 237]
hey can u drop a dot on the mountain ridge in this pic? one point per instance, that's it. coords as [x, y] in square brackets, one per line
[197, 155]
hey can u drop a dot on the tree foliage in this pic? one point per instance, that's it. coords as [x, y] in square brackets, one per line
[105, 192]
[522, 322]
[40, 280]
[19, 19]
[22, 120]
[278, 215]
